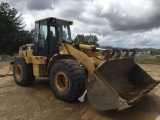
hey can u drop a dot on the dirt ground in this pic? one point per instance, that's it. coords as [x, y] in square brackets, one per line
[4, 63]
[38, 102]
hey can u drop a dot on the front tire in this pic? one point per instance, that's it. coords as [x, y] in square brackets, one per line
[67, 79]
[23, 72]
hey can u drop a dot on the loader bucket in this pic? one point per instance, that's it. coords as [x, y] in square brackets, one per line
[118, 84]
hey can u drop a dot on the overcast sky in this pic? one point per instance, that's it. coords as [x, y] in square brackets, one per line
[117, 23]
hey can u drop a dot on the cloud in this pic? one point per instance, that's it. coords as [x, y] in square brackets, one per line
[125, 23]
[122, 39]
[39, 4]
[128, 16]
[20, 5]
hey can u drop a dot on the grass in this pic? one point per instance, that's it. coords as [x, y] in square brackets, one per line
[147, 58]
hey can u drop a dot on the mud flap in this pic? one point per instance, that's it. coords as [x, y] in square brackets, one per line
[118, 84]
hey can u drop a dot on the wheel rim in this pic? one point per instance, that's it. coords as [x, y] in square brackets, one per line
[61, 81]
[18, 72]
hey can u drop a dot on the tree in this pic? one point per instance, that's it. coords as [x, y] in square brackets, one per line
[90, 40]
[10, 26]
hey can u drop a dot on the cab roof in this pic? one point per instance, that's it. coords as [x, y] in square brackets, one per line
[53, 18]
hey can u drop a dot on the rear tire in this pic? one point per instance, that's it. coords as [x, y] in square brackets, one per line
[67, 79]
[23, 72]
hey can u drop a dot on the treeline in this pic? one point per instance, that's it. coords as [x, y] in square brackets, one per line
[88, 39]
[153, 53]
[12, 33]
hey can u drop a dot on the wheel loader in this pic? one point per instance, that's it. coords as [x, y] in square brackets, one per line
[110, 76]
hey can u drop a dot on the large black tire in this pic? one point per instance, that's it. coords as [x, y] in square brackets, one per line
[23, 72]
[67, 79]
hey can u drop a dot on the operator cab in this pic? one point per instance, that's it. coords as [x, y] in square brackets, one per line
[48, 33]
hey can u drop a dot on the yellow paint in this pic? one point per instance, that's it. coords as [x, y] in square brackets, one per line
[85, 55]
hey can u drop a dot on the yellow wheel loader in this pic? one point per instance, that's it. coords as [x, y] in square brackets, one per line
[111, 77]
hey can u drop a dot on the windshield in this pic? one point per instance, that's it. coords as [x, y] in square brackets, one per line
[64, 32]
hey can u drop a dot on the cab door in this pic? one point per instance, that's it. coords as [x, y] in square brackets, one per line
[53, 39]
[40, 38]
